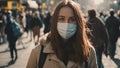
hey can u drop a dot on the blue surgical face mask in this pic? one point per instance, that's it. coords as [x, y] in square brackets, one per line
[66, 30]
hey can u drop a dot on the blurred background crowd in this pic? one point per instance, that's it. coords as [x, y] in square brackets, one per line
[34, 15]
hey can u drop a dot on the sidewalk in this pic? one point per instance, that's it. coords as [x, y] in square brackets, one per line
[109, 63]
[23, 54]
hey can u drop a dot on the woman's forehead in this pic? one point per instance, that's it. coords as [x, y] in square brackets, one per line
[66, 11]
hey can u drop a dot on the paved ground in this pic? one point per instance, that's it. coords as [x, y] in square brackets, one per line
[24, 53]
[108, 63]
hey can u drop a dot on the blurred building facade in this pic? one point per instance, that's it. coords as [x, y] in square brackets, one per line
[50, 4]
[11, 4]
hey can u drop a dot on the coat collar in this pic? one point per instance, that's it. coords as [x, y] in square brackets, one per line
[48, 48]
[52, 55]
[47, 45]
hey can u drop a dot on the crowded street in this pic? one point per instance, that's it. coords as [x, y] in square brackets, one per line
[24, 54]
[59, 33]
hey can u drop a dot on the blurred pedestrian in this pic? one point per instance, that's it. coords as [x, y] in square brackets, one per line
[66, 45]
[41, 14]
[36, 25]
[113, 25]
[10, 37]
[29, 18]
[47, 22]
[102, 17]
[118, 14]
[19, 19]
[2, 26]
[98, 35]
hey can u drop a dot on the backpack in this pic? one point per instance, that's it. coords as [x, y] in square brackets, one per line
[16, 28]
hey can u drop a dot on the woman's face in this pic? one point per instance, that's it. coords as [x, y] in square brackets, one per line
[66, 15]
[66, 25]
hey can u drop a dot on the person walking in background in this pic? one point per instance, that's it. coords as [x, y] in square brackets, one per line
[47, 22]
[29, 18]
[41, 14]
[20, 20]
[118, 14]
[2, 26]
[36, 25]
[67, 44]
[10, 37]
[113, 25]
[98, 35]
[102, 17]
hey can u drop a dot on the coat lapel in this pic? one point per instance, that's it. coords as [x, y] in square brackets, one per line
[52, 56]
[72, 64]
[48, 48]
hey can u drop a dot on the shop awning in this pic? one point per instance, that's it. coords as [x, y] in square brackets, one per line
[32, 4]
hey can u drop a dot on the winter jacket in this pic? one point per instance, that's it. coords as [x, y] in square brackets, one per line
[53, 62]
[98, 35]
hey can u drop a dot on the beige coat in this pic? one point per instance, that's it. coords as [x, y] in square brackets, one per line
[53, 62]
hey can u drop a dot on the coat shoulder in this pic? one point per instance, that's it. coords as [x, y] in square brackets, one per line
[92, 51]
[42, 42]
[43, 39]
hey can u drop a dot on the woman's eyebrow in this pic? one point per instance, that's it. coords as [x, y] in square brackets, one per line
[73, 17]
[61, 16]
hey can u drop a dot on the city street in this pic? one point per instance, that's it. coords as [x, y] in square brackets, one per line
[23, 54]
[100, 19]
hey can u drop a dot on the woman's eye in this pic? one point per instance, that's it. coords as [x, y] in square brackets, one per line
[60, 19]
[72, 19]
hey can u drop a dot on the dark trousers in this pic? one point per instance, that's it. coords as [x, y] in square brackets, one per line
[99, 60]
[112, 48]
[12, 46]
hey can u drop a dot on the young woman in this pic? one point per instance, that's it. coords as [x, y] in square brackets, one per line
[67, 45]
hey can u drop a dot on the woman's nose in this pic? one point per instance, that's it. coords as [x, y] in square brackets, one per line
[66, 20]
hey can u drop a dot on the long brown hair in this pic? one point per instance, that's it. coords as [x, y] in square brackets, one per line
[78, 45]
